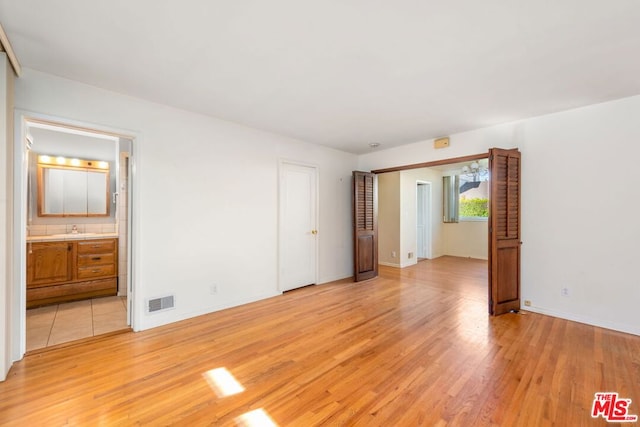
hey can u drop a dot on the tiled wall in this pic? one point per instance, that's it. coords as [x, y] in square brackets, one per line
[45, 230]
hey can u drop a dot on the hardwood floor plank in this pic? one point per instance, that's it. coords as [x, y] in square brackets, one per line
[412, 347]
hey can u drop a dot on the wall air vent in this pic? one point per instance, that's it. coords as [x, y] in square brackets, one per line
[159, 304]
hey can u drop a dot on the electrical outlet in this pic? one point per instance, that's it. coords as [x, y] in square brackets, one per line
[410, 255]
[393, 254]
[213, 289]
[564, 292]
[527, 303]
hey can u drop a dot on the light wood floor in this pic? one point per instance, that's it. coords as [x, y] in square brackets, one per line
[412, 347]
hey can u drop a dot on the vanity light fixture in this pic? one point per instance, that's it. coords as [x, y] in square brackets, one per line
[51, 161]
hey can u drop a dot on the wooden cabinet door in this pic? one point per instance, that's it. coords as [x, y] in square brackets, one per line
[49, 262]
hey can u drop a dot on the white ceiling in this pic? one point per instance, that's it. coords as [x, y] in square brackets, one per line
[341, 73]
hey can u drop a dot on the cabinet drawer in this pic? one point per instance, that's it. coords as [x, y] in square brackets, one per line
[87, 247]
[71, 292]
[96, 259]
[96, 271]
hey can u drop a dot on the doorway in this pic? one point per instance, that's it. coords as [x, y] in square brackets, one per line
[423, 220]
[502, 215]
[298, 225]
[95, 297]
[418, 197]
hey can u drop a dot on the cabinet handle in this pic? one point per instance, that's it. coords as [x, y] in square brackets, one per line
[97, 258]
[95, 271]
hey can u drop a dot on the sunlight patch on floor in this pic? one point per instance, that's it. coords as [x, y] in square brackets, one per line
[222, 382]
[473, 322]
[255, 418]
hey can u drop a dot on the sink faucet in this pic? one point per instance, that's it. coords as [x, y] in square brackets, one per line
[74, 229]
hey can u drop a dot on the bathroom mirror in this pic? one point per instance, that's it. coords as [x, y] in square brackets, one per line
[72, 187]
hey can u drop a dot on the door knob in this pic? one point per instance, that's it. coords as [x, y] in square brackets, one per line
[314, 232]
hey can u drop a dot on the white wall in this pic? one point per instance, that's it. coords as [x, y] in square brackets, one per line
[397, 216]
[408, 209]
[579, 170]
[206, 197]
[389, 219]
[466, 239]
[6, 209]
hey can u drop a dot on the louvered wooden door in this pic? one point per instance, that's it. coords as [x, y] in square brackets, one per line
[504, 231]
[365, 224]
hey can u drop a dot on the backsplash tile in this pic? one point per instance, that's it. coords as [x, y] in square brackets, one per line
[93, 228]
[79, 227]
[49, 229]
[36, 230]
[108, 228]
[56, 229]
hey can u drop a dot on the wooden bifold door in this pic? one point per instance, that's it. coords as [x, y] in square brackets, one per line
[504, 231]
[365, 225]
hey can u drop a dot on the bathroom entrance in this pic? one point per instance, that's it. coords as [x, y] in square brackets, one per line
[77, 260]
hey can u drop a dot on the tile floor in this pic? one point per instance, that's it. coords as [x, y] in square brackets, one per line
[56, 324]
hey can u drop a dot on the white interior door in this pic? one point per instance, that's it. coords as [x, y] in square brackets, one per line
[423, 220]
[298, 225]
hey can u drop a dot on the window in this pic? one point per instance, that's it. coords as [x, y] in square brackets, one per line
[466, 193]
[473, 204]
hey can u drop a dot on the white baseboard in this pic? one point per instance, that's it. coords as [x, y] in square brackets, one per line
[390, 264]
[156, 321]
[468, 256]
[629, 329]
[333, 279]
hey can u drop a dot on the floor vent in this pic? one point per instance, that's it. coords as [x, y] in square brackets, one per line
[158, 304]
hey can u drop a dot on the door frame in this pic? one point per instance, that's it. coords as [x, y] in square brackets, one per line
[427, 200]
[18, 305]
[282, 163]
[442, 162]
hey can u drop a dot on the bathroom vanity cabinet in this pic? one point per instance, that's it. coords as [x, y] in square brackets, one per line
[69, 270]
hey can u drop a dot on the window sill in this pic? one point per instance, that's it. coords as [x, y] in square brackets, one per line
[473, 219]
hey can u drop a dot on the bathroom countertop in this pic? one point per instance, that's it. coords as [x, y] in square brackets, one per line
[71, 236]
